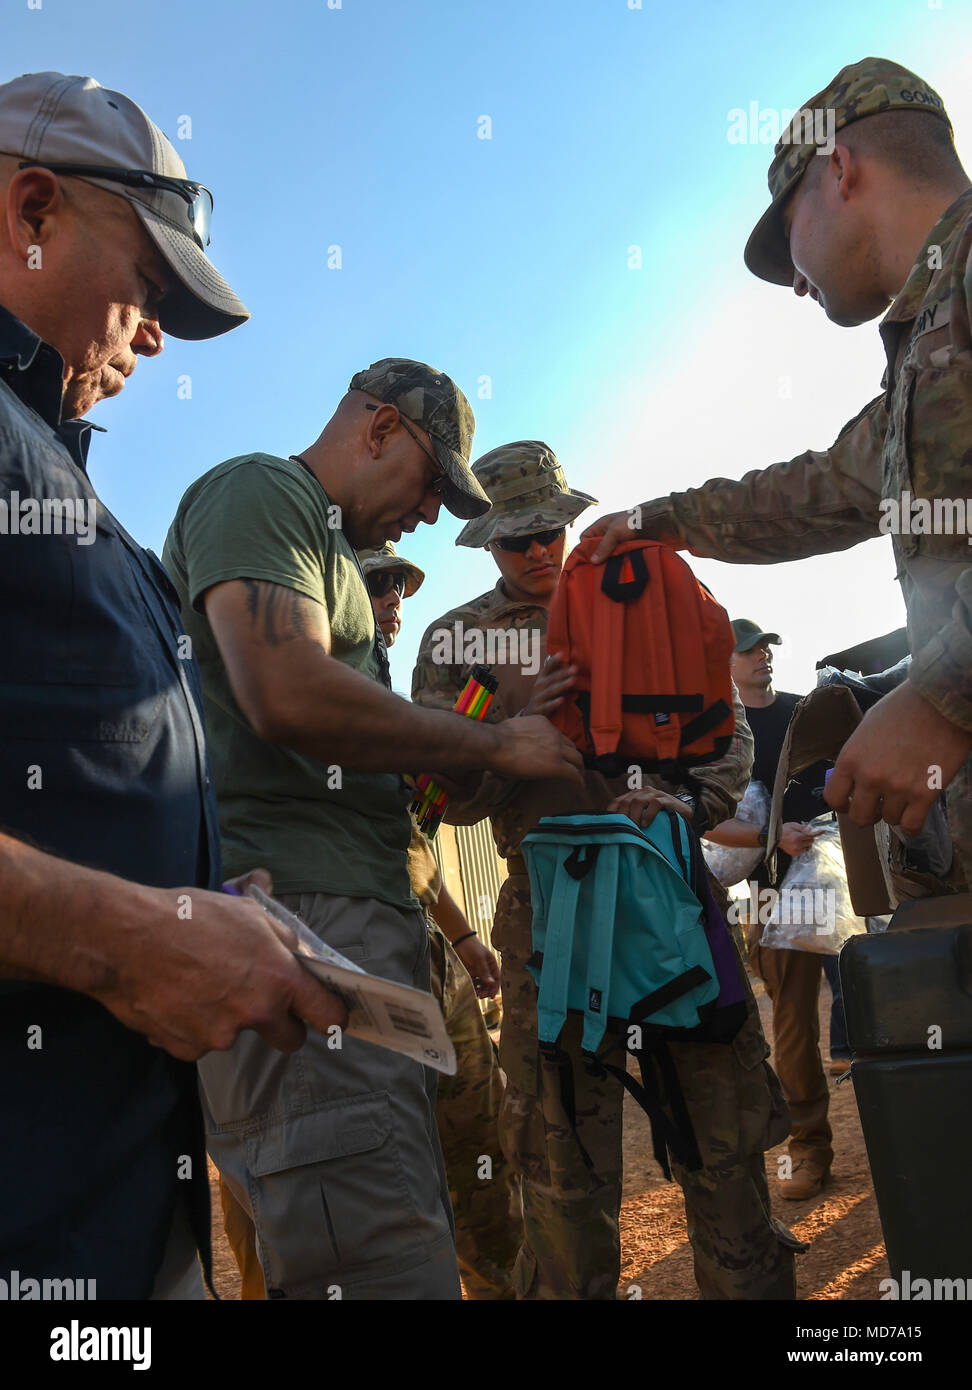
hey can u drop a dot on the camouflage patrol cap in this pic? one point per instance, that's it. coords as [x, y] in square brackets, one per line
[861, 89]
[386, 557]
[434, 401]
[528, 491]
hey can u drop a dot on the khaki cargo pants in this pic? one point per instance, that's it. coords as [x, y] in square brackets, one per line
[792, 980]
[571, 1247]
[333, 1152]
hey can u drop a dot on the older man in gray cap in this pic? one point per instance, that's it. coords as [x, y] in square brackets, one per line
[334, 1152]
[111, 971]
[876, 217]
[571, 1243]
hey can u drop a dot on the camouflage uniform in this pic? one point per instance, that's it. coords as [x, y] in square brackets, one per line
[915, 438]
[571, 1246]
[485, 1209]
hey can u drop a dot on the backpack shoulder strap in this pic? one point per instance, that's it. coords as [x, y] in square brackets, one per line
[607, 644]
[558, 944]
[601, 945]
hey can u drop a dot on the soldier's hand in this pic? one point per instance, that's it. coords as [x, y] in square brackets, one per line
[550, 687]
[481, 964]
[530, 747]
[191, 983]
[618, 527]
[643, 806]
[614, 529]
[896, 762]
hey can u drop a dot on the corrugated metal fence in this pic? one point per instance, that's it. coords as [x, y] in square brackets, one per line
[472, 871]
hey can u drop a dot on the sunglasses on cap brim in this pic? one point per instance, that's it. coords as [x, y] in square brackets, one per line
[381, 582]
[522, 544]
[196, 195]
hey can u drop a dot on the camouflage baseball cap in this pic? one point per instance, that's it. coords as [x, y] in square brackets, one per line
[861, 89]
[386, 557]
[528, 491]
[435, 402]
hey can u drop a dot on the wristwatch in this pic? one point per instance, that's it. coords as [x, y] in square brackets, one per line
[763, 835]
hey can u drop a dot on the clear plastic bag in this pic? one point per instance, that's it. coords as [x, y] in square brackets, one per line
[732, 865]
[812, 910]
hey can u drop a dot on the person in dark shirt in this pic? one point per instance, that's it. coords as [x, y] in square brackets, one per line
[792, 978]
[117, 967]
[803, 798]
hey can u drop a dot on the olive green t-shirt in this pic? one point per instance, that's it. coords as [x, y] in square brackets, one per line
[316, 827]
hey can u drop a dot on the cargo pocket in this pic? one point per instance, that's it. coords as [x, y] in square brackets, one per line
[764, 1117]
[519, 1051]
[329, 1196]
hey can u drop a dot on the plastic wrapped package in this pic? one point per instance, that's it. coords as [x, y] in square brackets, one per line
[733, 865]
[812, 910]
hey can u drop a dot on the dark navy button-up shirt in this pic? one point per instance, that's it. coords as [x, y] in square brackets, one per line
[102, 761]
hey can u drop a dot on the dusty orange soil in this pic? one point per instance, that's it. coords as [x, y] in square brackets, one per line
[846, 1256]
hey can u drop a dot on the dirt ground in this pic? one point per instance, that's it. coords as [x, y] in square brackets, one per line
[846, 1258]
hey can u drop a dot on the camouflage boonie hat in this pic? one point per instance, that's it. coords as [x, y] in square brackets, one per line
[528, 491]
[386, 557]
[434, 401]
[861, 89]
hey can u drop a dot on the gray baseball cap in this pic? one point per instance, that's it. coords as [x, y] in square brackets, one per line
[749, 634]
[49, 119]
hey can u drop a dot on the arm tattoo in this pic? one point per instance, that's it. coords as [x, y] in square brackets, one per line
[276, 609]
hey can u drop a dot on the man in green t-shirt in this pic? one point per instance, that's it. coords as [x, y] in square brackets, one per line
[333, 1150]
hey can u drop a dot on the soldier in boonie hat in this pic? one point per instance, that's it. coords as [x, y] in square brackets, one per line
[528, 492]
[387, 558]
[390, 579]
[861, 89]
[433, 401]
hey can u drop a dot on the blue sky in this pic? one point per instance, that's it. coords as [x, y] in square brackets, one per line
[504, 258]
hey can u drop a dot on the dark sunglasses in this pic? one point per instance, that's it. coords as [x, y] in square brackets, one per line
[198, 197]
[441, 482]
[521, 544]
[381, 582]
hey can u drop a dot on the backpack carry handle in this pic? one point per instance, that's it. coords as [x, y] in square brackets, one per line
[576, 866]
[625, 590]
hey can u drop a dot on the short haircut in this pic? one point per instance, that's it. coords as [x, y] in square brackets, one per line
[916, 145]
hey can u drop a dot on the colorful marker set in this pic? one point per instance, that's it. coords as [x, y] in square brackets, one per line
[474, 700]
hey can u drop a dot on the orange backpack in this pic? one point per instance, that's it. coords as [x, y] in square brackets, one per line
[652, 648]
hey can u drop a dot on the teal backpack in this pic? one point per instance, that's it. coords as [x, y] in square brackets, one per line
[620, 936]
